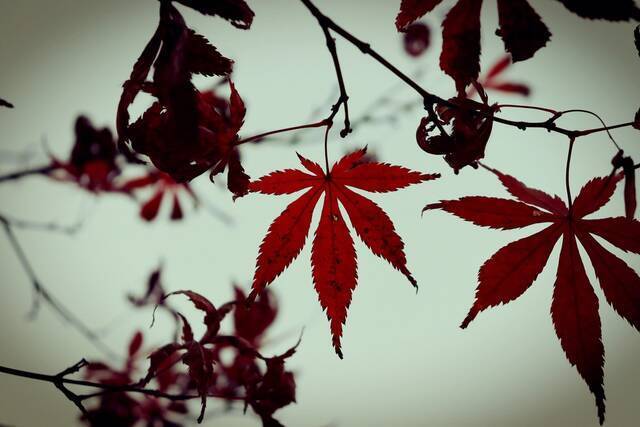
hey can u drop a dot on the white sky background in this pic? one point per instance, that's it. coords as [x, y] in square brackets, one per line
[406, 361]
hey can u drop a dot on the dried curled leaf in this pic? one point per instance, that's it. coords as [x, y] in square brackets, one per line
[460, 57]
[412, 10]
[471, 125]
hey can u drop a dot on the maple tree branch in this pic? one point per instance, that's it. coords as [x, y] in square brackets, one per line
[41, 292]
[432, 99]
[526, 107]
[333, 51]
[344, 97]
[366, 49]
[40, 170]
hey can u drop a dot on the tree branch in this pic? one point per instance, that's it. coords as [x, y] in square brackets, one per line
[41, 292]
[40, 170]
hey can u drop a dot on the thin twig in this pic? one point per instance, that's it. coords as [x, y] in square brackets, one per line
[107, 388]
[41, 292]
[40, 170]
[289, 129]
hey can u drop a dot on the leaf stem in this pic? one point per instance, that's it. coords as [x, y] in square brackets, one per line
[566, 176]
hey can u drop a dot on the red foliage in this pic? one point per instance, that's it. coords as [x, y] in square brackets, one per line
[333, 256]
[126, 410]
[512, 270]
[183, 132]
[264, 390]
[520, 28]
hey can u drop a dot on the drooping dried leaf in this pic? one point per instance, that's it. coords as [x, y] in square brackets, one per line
[417, 38]
[211, 316]
[203, 58]
[629, 171]
[470, 131]
[460, 57]
[521, 29]
[200, 364]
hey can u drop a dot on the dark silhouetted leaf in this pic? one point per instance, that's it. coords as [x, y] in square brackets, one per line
[411, 10]
[521, 29]
[460, 57]
[513, 269]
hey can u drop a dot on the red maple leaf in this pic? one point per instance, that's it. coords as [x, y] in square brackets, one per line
[333, 256]
[4, 103]
[512, 270]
